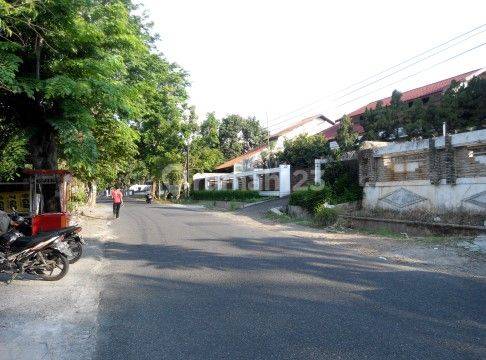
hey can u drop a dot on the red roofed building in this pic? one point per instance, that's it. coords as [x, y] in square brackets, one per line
[331, 133]
[310, 125]
[429, 94]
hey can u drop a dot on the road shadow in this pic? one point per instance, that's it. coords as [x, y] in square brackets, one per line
[297, 297]
[217, 294]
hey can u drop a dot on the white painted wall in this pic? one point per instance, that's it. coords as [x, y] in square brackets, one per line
[313, 127]
[468, 195]
[282, 170]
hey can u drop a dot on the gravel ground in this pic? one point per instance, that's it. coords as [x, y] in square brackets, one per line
[40, 320]
[447, 256]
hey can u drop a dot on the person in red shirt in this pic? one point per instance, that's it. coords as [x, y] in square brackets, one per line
[117, 197]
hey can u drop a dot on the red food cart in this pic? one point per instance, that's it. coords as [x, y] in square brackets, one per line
[40, 194]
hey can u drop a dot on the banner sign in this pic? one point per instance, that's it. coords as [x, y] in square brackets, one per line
[20, 200]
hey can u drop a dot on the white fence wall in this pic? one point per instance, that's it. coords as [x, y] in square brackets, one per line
[282, 172]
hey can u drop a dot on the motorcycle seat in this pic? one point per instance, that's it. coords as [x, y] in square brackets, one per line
[25, 242]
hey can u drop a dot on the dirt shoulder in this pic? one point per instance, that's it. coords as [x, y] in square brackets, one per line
[41, 320]
[431, 253]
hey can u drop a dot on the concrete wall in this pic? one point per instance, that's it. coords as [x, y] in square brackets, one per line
[440, 175]
[467, 195]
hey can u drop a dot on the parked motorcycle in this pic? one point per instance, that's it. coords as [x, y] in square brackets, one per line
[44, 255]
[70, 235]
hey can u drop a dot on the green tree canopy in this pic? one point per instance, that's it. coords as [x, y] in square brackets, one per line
[347, 137]
[209, 131]
[205, 152]
[301, 151]
[462, 108]
[83, 79]
[238, 135]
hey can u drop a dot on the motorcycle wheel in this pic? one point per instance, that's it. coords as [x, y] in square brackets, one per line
[77, 249]
[59, 266]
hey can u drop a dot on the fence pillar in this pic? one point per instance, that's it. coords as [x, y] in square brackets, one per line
[284, 179]
[256, 182]
[206, 183]
[317, 172]
[219, 183]
[235, 182]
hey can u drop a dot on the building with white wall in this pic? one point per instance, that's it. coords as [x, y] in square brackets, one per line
[310, 126]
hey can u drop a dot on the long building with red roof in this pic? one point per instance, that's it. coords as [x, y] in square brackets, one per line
[430, 93]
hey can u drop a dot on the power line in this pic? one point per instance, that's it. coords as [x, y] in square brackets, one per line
[406, 67]
[403, 62]
[384, 71]
[415, 74]
[413, 57]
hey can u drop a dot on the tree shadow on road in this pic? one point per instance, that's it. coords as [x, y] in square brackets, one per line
[309, 297]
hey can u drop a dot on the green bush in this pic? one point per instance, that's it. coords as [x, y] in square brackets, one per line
[311, 197]
[343, 179]
[225, 195]
[325, 216]
[77, 198]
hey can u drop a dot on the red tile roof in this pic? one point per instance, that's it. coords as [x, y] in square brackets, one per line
[237, 159]
[418, 93]
[331, 133]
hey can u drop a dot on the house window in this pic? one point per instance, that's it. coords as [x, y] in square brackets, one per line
[425, 100]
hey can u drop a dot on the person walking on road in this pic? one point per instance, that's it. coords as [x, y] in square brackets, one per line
[117, 197]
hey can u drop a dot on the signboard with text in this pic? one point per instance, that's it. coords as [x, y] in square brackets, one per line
[20, 200]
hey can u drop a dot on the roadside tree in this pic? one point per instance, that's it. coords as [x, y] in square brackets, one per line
[301, 151]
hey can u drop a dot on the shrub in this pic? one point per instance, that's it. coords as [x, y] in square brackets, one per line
[78, 198]
[225, 195]
[325, 216]
[343, 179]
[310, 198]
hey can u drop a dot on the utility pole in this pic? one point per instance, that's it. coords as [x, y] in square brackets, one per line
[268, 132]
[187, 168]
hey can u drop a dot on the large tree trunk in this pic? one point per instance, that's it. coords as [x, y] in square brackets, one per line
[153, 189]
[43, 142]
[43, 148]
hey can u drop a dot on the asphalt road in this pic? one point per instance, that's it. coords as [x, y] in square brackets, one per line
[182, 283]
